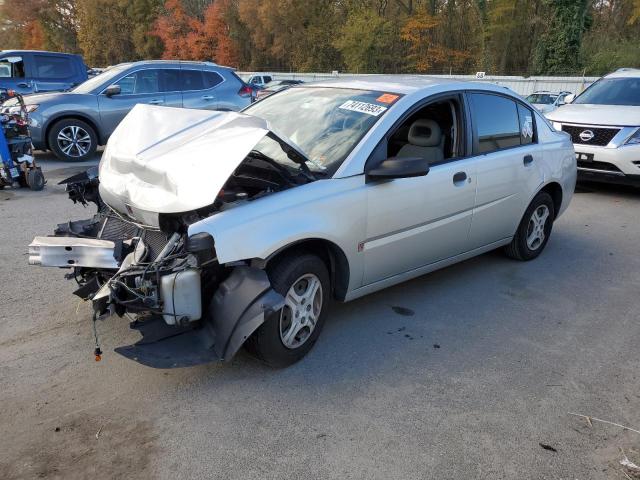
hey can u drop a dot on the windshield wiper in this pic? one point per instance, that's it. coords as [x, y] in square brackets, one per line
[295, 155]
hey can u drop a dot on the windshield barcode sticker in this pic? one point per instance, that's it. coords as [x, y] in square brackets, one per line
[363, 107]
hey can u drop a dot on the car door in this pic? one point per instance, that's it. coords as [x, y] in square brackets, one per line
[52, 72]
[140, 86]
[508, 165]
[413, 222]
[199, 88]
[170, 83]
[14, 72]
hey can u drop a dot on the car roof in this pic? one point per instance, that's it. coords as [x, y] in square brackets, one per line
[404, 84]
[36, 51]
[624, 73]
[172, 62]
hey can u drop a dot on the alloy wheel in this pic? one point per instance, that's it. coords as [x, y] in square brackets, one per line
[74, 141]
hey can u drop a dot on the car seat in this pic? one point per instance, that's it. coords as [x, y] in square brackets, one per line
[425, 141]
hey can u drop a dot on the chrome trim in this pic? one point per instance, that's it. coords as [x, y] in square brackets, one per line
[169, 91]
[595, 170]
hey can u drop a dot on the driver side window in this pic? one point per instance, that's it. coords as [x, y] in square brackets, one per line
[434, 132]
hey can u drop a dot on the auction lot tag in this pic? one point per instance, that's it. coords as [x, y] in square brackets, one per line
[363, 107]
[387, 98]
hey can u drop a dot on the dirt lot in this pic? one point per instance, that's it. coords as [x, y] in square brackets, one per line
[460, 374]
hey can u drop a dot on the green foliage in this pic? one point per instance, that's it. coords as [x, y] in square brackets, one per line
[517, 37]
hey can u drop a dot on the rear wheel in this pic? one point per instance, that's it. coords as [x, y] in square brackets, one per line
[534, 229]
[73, 140]
[288, 334]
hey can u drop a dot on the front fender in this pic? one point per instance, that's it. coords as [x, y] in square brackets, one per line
[332, 210]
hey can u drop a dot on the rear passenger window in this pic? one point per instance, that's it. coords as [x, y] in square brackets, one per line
[53, 67]
[496, 122]
[191, 80]
[171, 80]
[527, 127]
[211, 79]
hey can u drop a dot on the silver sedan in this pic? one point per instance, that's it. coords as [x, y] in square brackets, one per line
[241, 228]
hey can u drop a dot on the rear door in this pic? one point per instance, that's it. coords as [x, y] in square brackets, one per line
[141, 86]
[14, 72]
[53, 72]
[508, 165]
[200, 88]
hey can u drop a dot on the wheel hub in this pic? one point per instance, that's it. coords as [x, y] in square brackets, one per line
[536, 229]
[302, 307]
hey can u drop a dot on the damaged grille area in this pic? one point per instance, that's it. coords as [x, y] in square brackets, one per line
[115, 228]
[155, 241]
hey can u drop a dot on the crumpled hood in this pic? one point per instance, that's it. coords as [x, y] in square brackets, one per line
[171, 160]
[586, 114]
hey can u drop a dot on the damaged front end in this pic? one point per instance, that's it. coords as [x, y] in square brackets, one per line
[134, 258]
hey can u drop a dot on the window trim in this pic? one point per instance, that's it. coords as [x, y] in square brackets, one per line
[475, 142]
[465, 121]
[125, 74]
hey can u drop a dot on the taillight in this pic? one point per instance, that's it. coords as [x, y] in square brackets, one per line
[245, 91]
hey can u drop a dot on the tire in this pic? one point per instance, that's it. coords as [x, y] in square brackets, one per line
[273, 342]
[86, 140]
[532, 236]
[35, 179]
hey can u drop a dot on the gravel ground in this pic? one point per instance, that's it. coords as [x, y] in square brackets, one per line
[460, 374]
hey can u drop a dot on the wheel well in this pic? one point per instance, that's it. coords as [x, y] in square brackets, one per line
[86, 120]
[555, 190]
[331, 254]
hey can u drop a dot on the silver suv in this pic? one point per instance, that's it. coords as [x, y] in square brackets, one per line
[72, 124]
[604, 124]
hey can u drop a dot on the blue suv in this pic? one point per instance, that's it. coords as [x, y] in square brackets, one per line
[31, 71]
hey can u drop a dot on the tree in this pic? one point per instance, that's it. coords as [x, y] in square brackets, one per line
[104, 32]
[558, 48]
[174, 28]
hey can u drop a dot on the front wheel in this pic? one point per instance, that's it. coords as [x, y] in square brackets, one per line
[73, 140]
[534, 229]
[288, 334]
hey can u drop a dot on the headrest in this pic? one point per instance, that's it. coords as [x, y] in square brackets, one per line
[425, 133]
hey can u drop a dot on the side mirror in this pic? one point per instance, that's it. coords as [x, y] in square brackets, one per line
[399, 167]
[567, 99]
[112, 90]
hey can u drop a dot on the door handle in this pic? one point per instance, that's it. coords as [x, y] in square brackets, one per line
[208, 97]
[23, 85]
[156, 101]
[527, 160]
[459, 179]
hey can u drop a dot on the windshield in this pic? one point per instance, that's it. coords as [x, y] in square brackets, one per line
[542, 98]
[612, 91]
[100, 80]
[325, 123]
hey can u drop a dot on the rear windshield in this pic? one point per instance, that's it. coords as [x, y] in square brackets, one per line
[612, 91]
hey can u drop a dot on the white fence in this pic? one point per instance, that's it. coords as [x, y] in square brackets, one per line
[521, 85]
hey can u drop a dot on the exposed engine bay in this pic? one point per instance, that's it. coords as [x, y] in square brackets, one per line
[189, 308]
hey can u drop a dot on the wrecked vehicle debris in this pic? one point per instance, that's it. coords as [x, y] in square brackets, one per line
[216, 230]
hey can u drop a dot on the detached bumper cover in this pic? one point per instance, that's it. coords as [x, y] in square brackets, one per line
[238, 308]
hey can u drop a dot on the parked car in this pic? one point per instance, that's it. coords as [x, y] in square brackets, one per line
[545, 101]
[241, 227]
[604, 124]
[72, 124]
[30, 71]
[276, 86]
[259, 80]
